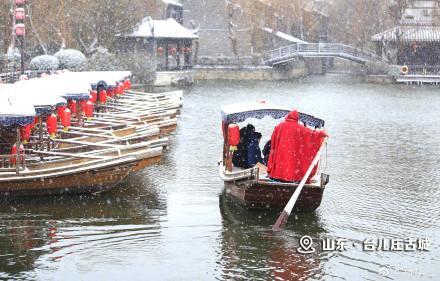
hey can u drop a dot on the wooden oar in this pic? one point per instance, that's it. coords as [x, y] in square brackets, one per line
[282, 219]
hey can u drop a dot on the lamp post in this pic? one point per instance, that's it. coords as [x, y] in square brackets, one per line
[20, 28]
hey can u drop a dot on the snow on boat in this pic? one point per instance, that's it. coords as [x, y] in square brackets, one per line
[90, 153]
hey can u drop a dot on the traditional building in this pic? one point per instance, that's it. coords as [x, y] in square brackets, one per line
[168, 42]
[162, 37]
[416, 40]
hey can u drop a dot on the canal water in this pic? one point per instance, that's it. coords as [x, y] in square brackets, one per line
[171, 222]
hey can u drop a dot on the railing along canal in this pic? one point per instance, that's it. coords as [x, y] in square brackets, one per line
[319, 50]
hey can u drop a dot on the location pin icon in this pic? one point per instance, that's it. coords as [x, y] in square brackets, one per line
[306, 245]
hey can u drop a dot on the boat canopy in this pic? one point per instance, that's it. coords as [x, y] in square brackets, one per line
[111, 78]
[42, 94]
[14, 111]
[73, 87]
[239, 112]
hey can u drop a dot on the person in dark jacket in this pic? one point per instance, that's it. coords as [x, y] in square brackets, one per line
[253, 150]
[266, 152]
[240, 157]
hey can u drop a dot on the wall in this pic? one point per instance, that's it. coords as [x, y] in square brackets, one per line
[250, 73]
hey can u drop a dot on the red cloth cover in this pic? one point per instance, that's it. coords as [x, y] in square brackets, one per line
[293, 148]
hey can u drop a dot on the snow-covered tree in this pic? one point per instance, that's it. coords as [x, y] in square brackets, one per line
[44, 63]
[103, 60]
[71, 59]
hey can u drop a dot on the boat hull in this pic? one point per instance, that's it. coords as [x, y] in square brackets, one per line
[259, 195]
[90, 180]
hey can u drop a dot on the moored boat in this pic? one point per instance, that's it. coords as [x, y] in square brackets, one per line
[88, 153]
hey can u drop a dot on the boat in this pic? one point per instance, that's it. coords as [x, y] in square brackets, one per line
[94, 153]
[252, 188]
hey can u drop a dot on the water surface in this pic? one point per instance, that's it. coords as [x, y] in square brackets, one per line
[171, 222]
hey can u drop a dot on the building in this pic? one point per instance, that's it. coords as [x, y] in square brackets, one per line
[415, 41]
[167, 41]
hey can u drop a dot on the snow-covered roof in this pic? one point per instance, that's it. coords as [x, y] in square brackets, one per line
[168, 28]
[409, 34]
[40, 92]
[14, 110]
[172, 2]
[109, 77]
[239, 112]
[283, 35]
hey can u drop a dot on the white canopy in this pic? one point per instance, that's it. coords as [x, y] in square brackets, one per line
[239, 112]
[39, 92]
[251, 106]
[110, 77]
[12, 105]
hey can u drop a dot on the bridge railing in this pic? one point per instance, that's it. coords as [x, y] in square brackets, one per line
[333, 49]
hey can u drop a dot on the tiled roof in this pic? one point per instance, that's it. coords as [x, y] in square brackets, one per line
[409, 34]
[168, 28]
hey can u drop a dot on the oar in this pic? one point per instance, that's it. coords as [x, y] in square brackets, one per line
[282, 219]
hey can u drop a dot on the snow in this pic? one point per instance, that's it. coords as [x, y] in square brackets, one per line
[250, 106]
[172, 2]
[44, 63]
[11, 103]
[71, 59]
[48, 95]
[168, 28]
[110, 77]
[283, 35]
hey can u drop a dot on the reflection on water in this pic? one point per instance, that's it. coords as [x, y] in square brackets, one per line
[251, 250]
[169, 223]
[39, 231]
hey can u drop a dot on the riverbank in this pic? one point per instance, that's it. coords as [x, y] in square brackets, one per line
[258, 73]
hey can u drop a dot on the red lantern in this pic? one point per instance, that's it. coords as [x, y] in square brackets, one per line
[20, 30]
[60, 110]
[65, 119]
[110, 92]
[120, 88]
[13, 159]
[93, 96]
[127, 84]
[51, 123]
[102, 97]
[25, 133]
[19, 2]
[233, 136]
[19, 14]
[89, 110]
[35, 122]
[72, 106]
[160, 50]
[82, 105]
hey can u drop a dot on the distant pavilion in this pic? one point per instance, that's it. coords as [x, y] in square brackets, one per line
[168, 41]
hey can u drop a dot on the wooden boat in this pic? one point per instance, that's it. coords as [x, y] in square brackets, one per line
[87, 177]
[251, 187]
[122, 138]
